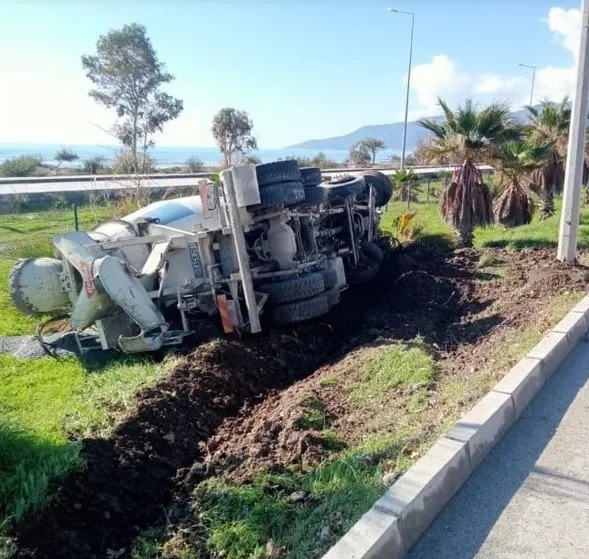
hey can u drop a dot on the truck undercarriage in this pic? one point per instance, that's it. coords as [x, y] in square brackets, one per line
[272, 243]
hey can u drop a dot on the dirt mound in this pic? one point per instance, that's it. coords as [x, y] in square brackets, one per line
[129, 477]
[293, 427]
[226, 407]
[97, 511]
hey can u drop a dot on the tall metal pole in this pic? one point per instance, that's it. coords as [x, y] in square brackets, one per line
[533, 68]
[408, 83]
[569, 219]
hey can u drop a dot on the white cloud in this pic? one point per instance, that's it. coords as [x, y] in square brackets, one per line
[566, 26]
[438, 78]
[442, 77]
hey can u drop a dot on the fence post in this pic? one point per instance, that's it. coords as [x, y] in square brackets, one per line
[409, 194]
[76, 224]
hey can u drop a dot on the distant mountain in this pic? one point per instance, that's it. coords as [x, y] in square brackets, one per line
[390, 134]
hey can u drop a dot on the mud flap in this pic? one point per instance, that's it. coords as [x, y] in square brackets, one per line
[128, 293]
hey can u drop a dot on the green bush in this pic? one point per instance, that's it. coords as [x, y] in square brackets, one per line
[60, 202]
[194, 165]
[19, 202]
[22, 166]
[93, 165]
[125, 165]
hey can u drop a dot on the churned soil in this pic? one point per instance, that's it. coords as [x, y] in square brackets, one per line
[276, 434]
[237, 407]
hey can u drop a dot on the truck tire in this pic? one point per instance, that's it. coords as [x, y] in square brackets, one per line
[299, 311]
[372, 251]
[315, 195]
[294, 289]
[382, 185]
[281, 194]
[278, 171]
[363, 274]
[310, 176]
[344, 187]
[329, 277]
[333, 297]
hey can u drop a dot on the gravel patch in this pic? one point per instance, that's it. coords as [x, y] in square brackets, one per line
[62, 344]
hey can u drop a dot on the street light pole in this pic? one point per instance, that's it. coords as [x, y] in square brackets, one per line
[408, 82]
[569, 219]
[533, 68]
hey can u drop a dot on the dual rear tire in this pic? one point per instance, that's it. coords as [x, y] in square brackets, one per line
[301, 298]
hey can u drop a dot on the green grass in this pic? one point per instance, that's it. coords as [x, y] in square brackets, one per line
[393, 366]
[487, 260]
[537, 233]
[240, 520]
[26, 235]
[41, 401]
[427, 218]
[45, 403]
[313, 414]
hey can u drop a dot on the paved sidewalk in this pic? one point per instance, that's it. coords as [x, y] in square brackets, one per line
[530, 497]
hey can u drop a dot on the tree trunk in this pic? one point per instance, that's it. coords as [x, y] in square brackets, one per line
[546, 204]
[134, 140]
[464, 236]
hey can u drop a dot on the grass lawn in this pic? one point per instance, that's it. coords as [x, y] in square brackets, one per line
[44, 402]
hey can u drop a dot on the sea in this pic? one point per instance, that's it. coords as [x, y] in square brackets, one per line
[164, 156]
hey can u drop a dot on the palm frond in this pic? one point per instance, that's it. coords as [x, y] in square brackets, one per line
[532, 111]
[494, 121]
[437, 129]
[450, 119]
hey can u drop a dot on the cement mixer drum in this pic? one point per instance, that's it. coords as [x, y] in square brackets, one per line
[36, 287]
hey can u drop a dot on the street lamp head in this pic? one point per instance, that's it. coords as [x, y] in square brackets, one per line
[395, 11]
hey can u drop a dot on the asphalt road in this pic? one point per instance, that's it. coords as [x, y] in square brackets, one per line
[530, 497]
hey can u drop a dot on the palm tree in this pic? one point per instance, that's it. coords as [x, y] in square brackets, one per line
[405, 179]
[517, 160]
[372, 145]
[550, 123]
[359, 155]
[469, 135]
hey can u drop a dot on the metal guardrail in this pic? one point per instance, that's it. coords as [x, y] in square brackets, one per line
[74, 183]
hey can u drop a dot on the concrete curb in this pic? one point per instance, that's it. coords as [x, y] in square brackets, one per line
[395, 522]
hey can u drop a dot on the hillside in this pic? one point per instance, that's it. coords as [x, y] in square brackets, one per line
[390, 134]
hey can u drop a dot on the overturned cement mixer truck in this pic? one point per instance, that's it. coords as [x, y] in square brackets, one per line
[273, 243]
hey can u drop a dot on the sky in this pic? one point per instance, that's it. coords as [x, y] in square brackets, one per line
[302, 69]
